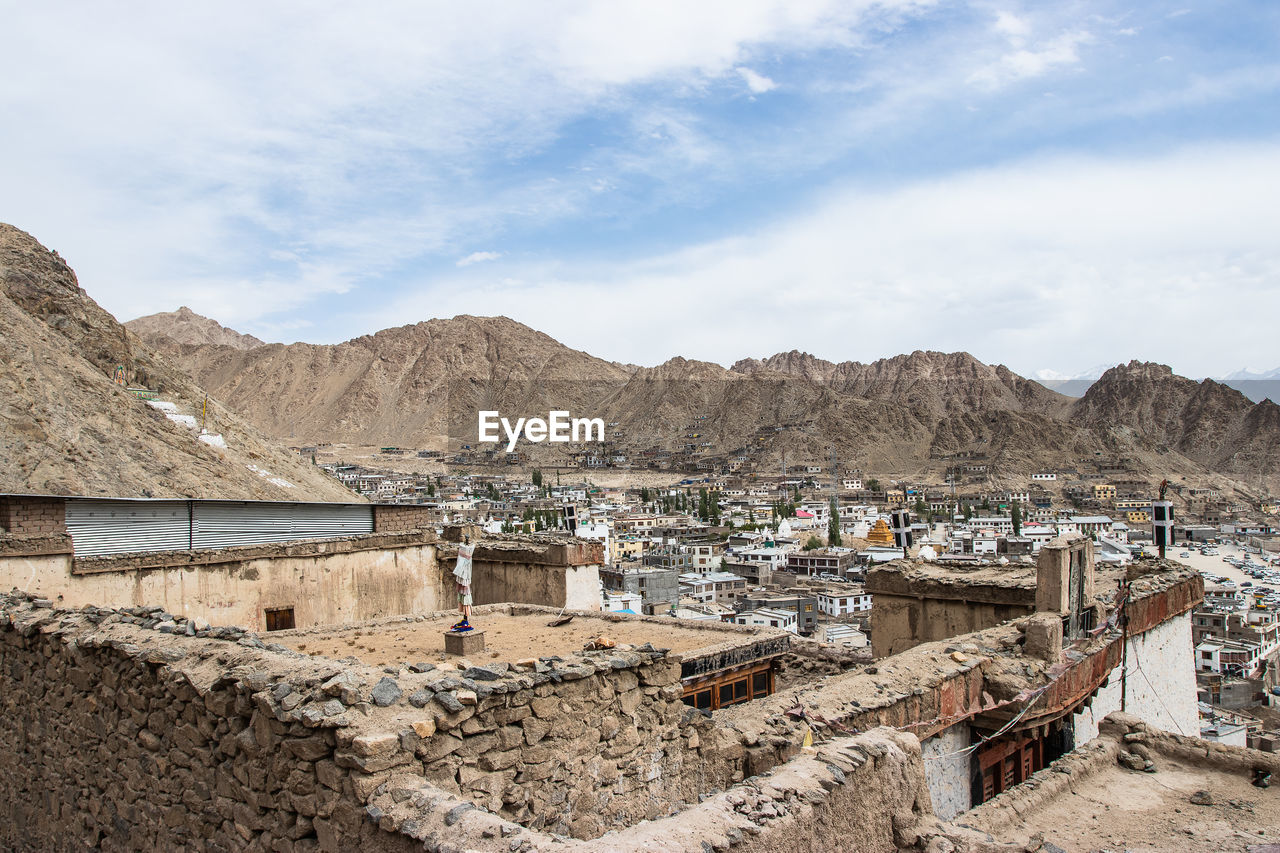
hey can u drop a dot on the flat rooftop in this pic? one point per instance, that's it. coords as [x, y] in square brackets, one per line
[1118, 809]
[511, 632]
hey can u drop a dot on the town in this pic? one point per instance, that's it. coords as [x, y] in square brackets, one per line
[793, 551]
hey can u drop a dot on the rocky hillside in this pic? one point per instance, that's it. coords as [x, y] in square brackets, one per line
[1206, 421]
[67, 428]
[185, 326]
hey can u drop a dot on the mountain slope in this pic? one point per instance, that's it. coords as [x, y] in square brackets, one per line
[67, 428]
[399, 386]
[1207, 421]
[185, 326]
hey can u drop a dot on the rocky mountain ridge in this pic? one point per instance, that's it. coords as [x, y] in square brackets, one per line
[418, 385]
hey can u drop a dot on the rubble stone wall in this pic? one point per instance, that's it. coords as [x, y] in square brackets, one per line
[113, 742]
[138, 729]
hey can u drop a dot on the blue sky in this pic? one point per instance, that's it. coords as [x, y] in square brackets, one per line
[1048, 186]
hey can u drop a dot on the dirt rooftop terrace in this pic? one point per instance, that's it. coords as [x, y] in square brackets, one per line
[510, 634]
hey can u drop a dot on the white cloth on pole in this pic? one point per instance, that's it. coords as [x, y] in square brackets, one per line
[462, 571]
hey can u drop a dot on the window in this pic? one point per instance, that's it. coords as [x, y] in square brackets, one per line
[279, 618]
[808, 608]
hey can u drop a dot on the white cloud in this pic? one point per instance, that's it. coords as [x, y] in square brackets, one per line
[478, 258]
[757, 83]
[1041, 262]
[1023, 63]
[1015, 28]
[217, 135]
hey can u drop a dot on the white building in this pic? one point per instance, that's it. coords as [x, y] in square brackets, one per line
[838, 603]
[842, 634]
[621, 602]
[770, 618]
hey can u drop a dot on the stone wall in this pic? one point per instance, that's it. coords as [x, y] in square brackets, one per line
[138, 729]
[859, 794]
[118, 738]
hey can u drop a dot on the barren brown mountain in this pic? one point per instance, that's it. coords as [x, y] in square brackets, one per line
[913, 413]
[185, 326]
[67, 428]
[1206, 421]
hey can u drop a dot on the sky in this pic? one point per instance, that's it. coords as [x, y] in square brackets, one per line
[1050, 186]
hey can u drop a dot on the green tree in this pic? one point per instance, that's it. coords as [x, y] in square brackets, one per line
[833, 524]
[431, 489]
[968, 512]
[873, 485]
[644, 495]
[1016, 517]
[813, 543]
[537, 478]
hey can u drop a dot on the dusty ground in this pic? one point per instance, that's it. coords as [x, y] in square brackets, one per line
[1120, 810]
[507, 638]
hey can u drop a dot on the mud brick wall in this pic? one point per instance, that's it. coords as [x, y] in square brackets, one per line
[21, 515]
[391, 517]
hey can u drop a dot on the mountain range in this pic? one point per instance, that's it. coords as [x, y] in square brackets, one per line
[421, 385]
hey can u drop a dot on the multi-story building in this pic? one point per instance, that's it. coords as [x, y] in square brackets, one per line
[804, 606]
[717, 587]
[838, 603]
[657, 587]
[819, 562]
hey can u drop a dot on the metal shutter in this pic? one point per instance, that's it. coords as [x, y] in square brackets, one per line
[220, 525]
[117, 527]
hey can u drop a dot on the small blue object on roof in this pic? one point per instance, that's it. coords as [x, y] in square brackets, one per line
[627, 610]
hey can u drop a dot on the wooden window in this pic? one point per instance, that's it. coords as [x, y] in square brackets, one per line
[279, 618]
